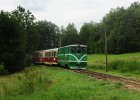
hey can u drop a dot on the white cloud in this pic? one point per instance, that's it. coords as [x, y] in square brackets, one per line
[62, 12]
[34, 5]
[7, 5]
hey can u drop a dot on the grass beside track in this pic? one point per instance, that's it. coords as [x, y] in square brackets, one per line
[127, 65]
[49, 83]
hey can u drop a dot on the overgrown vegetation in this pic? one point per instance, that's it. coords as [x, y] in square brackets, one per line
[125, 66]
[122, 28]
[123, 63]
[2, 70]
[48, 83]
[31, 81]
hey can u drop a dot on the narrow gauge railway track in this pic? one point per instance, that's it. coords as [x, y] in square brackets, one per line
[127, 82]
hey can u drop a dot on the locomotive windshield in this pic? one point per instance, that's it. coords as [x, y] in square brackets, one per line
[78, 49]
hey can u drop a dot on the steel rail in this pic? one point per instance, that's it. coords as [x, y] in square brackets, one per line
[125, 81]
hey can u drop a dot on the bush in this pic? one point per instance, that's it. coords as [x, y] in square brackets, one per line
[2, 70]
[27, 83]
[125, 66]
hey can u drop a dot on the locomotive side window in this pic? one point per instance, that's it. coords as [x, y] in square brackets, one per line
[84, 50]
[63, 51]
[79, 49]
[59, 51]
[73, 49]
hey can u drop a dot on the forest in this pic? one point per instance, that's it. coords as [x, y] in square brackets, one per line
[21, 34]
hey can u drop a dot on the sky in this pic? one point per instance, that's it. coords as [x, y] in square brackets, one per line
[62, 12]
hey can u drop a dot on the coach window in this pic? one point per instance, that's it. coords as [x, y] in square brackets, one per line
[54, 54]
[46, 54]
[41, 54]
[51, 54]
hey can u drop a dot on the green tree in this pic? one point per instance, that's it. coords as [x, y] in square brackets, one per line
[70, 35]
[26, 19]
[91, 35]
[13, 42]
[49, 35]
[122, 28]
[85, 32]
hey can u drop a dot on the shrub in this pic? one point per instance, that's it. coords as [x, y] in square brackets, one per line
[2, 70]
[125, 66]
[29, 82]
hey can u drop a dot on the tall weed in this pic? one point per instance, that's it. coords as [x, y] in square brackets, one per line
[31, 81]
[125, 65]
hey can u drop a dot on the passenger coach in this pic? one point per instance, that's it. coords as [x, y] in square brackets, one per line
[51, 56]
[38, 57]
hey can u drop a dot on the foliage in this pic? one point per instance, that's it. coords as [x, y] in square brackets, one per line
[122, 28]
[49, 35]
[125, 66]
[20, 36]
[118, 64]
[13, 42]
[2, 70]
[28, 83]
[69, 35]
[63, 85]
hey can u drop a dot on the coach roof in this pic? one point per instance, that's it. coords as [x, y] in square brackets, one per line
[74, 45]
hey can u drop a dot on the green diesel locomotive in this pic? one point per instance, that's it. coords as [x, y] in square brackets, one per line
[73, 56]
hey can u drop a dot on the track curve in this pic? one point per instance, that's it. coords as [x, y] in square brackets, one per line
[127, 82]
